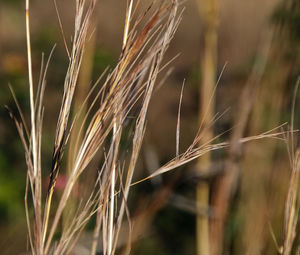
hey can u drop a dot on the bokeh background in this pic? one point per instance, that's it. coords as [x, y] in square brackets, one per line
[258, 51]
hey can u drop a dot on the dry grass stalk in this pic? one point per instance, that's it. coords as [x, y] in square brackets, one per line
[292, 199]
[210, 11]
[133, 78]
[292, 207]
[195, 151]
[130, 84]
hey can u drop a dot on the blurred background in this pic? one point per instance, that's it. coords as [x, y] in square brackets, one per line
[230, 201]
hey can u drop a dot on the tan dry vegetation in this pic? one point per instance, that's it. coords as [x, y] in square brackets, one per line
[245, 200]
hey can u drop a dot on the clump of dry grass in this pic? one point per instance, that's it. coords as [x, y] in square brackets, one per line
[292, 198]
[291, 208]
[130, 84]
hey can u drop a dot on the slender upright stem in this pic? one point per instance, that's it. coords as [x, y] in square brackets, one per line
[34, 145]
[32, 107]
[112, 200]
[209, 10]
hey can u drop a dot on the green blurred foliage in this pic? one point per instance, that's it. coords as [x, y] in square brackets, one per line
[174, 230]
[288, 14]
[102, 59]
[12, 166]
[11, 2]
[287, 18]
[45, 39]
[149, 246]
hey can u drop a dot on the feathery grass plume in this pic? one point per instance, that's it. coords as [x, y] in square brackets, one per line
[131, 82]
[124, 86]
[129, 85]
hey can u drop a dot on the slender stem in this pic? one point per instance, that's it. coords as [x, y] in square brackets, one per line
[36, 173]
[112, 200]
[127, 24]
[209, 67]
[32, 108]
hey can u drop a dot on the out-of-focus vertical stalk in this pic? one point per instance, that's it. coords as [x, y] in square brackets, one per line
[257, 206]
[227, 183]
[254, 196]
[209, 9]
[256, 203]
